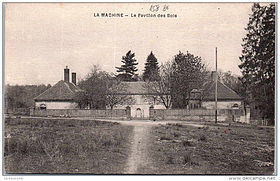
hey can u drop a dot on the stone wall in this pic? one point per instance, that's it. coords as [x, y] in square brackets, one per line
[108, 113]
[220, 104]
[237, 115]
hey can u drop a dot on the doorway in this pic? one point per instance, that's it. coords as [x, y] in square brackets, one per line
[139, 113]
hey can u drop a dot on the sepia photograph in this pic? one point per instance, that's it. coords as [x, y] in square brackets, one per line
[151, 88]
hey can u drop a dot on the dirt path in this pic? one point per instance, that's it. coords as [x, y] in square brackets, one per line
[139, 162]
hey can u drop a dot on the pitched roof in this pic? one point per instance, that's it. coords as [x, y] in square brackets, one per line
[61, 91]
[138, 88]
[224, 92]
[134, 88]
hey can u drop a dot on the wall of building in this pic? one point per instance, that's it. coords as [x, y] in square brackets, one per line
[141, 105]
[221, 104]
[56, 105]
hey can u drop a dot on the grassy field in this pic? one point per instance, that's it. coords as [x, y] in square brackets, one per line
[179, 149]
[65, 146]
[95, 147]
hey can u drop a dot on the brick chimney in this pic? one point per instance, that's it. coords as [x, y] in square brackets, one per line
[66, 74]
[74, 78]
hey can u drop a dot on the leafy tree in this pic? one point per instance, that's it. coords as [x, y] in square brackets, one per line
[128, 69]
[232, 81]
[258, 58]
[161, 87]
[151, 71]
[188, 73]
[100, 89]
[94, 86]
[113, 93]
[82, 99]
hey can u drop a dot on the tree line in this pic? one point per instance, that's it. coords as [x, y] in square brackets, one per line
[172, 81]
[21, 96]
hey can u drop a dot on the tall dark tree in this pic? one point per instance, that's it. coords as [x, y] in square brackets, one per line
[258, 58]
[151, 71]
[188, 73]
[128, 69]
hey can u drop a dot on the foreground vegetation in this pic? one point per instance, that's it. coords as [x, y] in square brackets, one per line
[180, 149]
[48, 145]
[65, 146]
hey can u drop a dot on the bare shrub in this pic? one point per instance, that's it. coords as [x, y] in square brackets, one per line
[178, 125]
[176, 135]
[206, 127]
[202, 138]
[187, 159]
[11, 145]
[175, 125]
[186, 143]
[170, 160]
[66, 148]
[165, 138]
[23, 145]
[108, 142]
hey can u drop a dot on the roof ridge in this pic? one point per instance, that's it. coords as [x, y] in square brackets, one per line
[211, 85]
[221, 86]
[46, 90]
[61, 90]
[230, 89]
[41, 94]
[66, 83]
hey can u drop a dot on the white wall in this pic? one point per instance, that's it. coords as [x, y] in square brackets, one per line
[57, 105]
[221, 104]
[143, 103]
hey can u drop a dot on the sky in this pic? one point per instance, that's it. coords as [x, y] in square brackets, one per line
[42, 38]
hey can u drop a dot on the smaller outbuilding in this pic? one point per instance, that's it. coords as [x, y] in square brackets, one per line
[226, 97]
[59, 96]
[205, 98]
